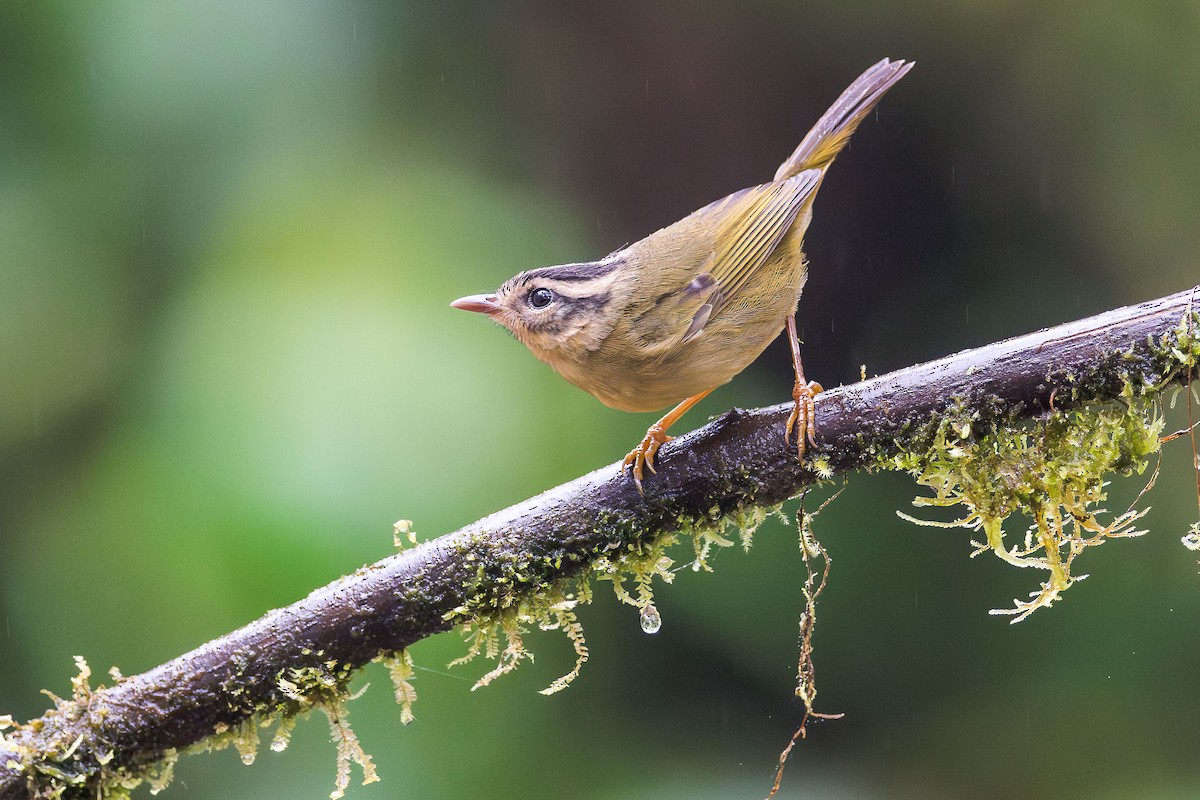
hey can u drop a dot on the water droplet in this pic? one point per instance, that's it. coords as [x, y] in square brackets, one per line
[651, 620]
[279, 745]
[247, 758]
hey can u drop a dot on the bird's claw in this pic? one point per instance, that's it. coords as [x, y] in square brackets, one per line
[643, 455]
[802, 416]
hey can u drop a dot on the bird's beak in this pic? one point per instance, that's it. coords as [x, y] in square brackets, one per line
[482, 303]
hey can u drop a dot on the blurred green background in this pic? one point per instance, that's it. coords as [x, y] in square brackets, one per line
[228, 235]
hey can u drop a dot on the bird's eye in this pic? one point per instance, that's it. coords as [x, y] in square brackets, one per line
[540, 297]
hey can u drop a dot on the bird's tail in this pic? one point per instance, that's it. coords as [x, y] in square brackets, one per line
[833, 129]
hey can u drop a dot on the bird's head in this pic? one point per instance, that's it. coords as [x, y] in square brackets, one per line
[557, 312]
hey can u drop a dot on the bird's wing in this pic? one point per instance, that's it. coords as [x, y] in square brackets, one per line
[745, 227]
[749, 237]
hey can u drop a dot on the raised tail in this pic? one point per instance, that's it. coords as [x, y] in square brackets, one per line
[833, 129]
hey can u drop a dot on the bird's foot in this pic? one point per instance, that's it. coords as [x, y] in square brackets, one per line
[802, 417]
[642, 456]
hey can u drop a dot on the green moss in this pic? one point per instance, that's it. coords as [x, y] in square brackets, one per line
[1053, 472]
[400, 670]
[61, 771]
[60, 768]
[511, 596]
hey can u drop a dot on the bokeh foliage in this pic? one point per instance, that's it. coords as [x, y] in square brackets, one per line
[228, 234]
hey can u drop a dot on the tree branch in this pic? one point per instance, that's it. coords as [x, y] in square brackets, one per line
[737, 462]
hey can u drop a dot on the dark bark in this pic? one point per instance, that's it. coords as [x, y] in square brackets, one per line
[739, 460]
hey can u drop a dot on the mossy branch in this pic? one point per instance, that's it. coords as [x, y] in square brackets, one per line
[301, 657]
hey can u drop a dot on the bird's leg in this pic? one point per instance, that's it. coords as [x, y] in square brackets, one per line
[803, 393]
[643, 455]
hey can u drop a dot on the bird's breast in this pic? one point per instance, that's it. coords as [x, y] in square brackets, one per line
[637, 378]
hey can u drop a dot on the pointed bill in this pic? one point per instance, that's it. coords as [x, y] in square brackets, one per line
[480, 303]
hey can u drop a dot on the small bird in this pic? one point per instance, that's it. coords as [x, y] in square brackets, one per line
[671, 317]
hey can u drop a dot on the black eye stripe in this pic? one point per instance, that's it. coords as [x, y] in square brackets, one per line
[585, 305]
[566, 311]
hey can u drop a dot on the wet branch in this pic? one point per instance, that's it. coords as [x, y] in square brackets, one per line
[738, 461]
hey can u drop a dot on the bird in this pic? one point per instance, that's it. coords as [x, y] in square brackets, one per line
[666, 320]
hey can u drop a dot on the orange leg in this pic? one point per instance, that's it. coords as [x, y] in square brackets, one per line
[803, 393]
[656, 437]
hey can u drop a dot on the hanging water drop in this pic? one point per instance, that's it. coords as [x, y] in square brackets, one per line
[651, 619]
[247, 758]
